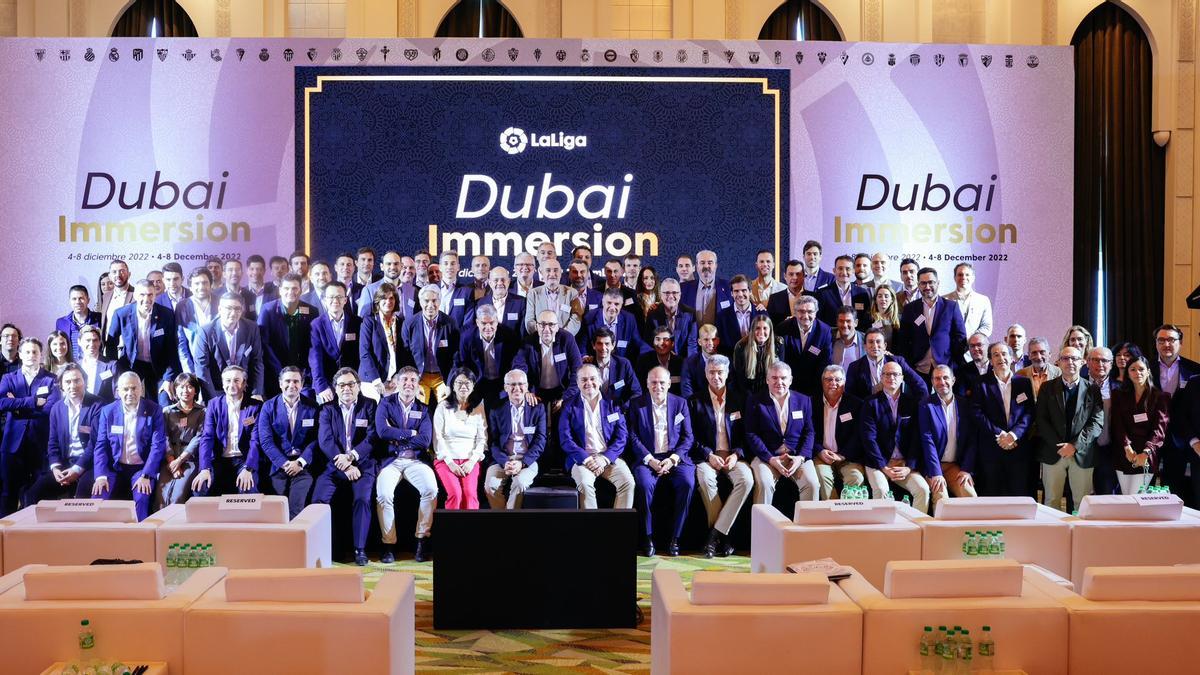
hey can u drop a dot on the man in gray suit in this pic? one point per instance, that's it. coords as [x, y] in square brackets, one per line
[1069, 418]
[553, 296]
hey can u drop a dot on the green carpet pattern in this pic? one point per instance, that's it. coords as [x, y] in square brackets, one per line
[542, 651]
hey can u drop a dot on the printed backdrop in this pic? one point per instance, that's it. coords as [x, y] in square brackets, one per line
[158, 150]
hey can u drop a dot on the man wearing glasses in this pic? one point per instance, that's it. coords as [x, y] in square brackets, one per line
[1069, 419]
[932, 331]
[1170, 372]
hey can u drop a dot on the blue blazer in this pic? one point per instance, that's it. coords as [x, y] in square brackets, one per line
[728, 331]
[621, 383]
[373, 348]
[326, 354]
[313, 299]
[105, 386]
[934, 434]
[880, 431]
[273, 332]
[447, 347]
[165, 300]
[331, 433]
[808, 361]
[967, 377]
[188, 336]
[216, 431]
[684, 333]
[500, 430]
[823, 277]
[641, 430]
[947, 341]
[571, 431]
[164, 353]
[829, 301]
[67, 325]
[762, 426]
[704, 425]
[990, 419]
[628, 343]
[858, 377]
[566, 360]
[282, 443]
[595, 297]
[399, 433]
[27, 424]
[213, 356]
[269, 292]
[110, 439]
[693, 380]
[470, 351]
[462, 306]
[514, 312]
[59, 447]
[248, 300]
[690, 290]
[845, 430]
[779, 306]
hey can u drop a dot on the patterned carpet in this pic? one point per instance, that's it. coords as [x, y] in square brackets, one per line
[542, 651]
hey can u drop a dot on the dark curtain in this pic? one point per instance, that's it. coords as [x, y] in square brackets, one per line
[784, 23]
[1119, 178]
[463, 21]
[173, 21]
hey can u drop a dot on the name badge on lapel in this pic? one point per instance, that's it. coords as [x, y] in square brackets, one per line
[1021, 398]
[116, 429]
[628, 301]
[967, 357]
[613, 417]
[735, 415]
[306, 423]
[858, 307]
[618, 384]
[249, 421]
[813, 349]
[43, 390]
[560, 357]
[85, 429]
[919, 321]
[350, 337]
[304, 311]
[158, 333]
[622, 344]
[459, 302]
[797, 414]
[106, 374]
[678, 418]
[846, 417]
[412, 303]
[530, 430]
[414, 414]
[361, 424]
[592, 305]
[675, 379]
[443, 343]
[512, 316]
[724, 304]
[1141, 417]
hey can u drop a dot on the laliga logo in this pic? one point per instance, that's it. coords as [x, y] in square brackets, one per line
[514, 140]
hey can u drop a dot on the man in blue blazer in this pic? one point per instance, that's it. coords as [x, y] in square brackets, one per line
[488, 349]
[733, 322]
[405, 429]
[886, 430]
[456, 301]
[621, 324]
[287, 437]
[1003, 404]
[285, 329]
[174, 291]
[932, 331]
[230, 332]
[948, 437]
[432, 339]
[618, 381]
[812, 276]
[719, 453]
[593, 436]
[971, 368]
[554, 347]
[79, 316]
[1171, 372]
[807, 345]
[781, 303]
[131, 442]
[346, 436]
[25, 396]
[835, 432]
[69, 451]
[678, 318]
[145, 332]
[848, 343]
[843, 293]
[335, 336]
[865, 376]
[706, 294]
[193, 313]
[100, 376]
[779, 432]
[516, 439]
[660, 443]
[510, 307]
[694, 377]
[229, 450]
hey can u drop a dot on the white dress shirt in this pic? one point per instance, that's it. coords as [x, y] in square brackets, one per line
[130, 454]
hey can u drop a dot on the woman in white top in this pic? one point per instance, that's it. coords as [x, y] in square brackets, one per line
[459, 442]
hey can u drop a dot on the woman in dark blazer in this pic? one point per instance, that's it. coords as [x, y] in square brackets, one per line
[752, 356]
[381, 351]
[1138, 427]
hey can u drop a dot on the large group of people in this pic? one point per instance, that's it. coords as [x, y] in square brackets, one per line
[296, 377]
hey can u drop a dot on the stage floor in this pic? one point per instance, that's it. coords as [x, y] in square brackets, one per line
[541, 651]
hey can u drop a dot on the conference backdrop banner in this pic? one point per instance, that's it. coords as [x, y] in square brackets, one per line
[179, 150]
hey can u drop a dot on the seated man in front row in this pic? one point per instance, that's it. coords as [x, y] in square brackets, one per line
[406, 430]
[946, 425]
[516, 438]
[779, 432]
[660, 436]
[885, 432]
[593, 436]
[229, 445]
[720, 451]
[287, 437]
[130, 445]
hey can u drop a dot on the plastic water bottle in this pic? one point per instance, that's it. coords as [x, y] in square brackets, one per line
[928, 649]
[994, 545]
[972, 545]
[172, 565]
[212, 555]
[948, 654]
[963, 662]
[986, 651]
[1001, 542]
[208, 556]
[87, 642]
[940, 641]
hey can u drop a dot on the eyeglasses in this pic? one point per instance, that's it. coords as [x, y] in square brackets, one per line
[1073, 359]
[545, 324]
[346, 385]
[1166, 340]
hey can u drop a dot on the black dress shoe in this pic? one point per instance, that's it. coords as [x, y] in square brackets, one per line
[673, 548]
[710, 546]
[422, 553]
[648, 548]
[725, 548]
[389, 555]
[360, 557]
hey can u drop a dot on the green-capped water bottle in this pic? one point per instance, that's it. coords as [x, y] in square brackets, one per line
[994, 545]
[87, 642]
[963, 662]
[172, 565]
[987, 651]
[928, 649]
[972, 545]
[948, 653]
